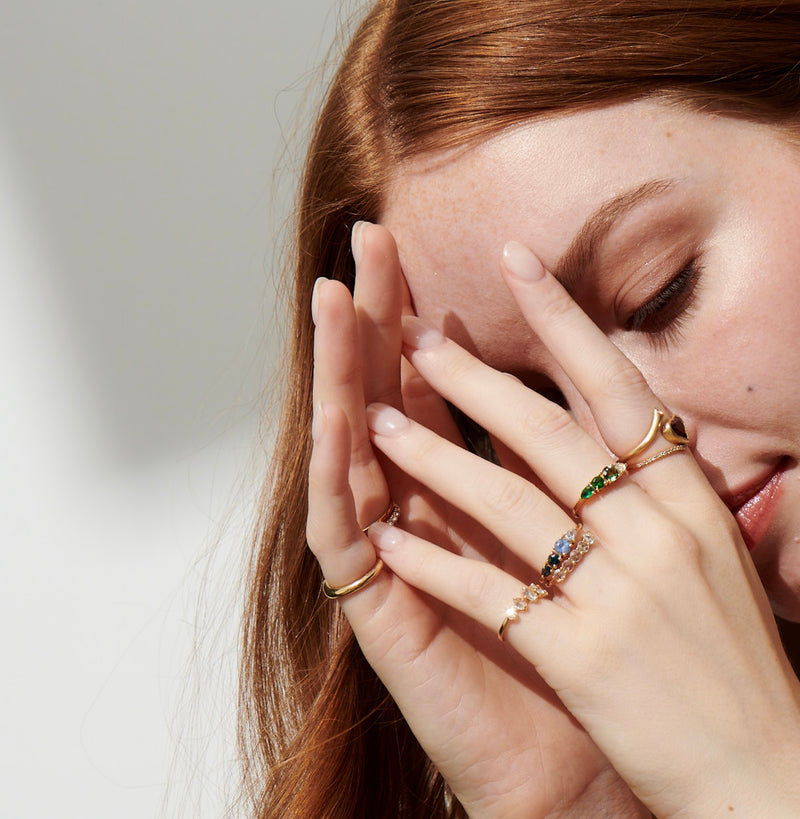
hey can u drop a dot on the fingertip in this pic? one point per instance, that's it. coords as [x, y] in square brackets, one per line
[357, 241]
[384, 537]
[418, 334]
[521, 263]
[385, 420]
[318, 421]
[315, 298]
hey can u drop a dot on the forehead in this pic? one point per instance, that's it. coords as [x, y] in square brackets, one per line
[536, 183]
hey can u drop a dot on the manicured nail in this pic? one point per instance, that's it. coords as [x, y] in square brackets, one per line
[386, 537]
[357, 240]
[315, 297]
[385, 420]
[520, 262]
[418, 334]
[318, 421]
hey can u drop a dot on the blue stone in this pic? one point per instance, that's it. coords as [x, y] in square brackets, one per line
[562, 546]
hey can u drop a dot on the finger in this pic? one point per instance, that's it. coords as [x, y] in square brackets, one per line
[338, 381]
[512, 509]
[617, 394]
[545, 435]
[477, 589]
[332, 529]
[425, 406]
[381, 612]
[378, 298]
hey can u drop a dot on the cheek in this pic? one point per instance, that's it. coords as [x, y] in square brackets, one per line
[737, 358]
[755, 334]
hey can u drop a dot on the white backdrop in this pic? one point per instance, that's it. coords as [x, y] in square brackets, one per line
[138, 215]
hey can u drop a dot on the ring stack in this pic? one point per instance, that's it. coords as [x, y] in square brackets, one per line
[532, 593]
[568, 551]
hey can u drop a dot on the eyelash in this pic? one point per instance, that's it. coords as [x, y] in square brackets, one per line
[662, 317]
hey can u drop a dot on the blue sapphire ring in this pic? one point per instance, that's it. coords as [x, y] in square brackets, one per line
[568, 551]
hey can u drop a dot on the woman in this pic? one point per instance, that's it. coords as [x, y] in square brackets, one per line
[551, 210]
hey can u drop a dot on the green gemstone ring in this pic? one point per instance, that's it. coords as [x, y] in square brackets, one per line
[608, 475]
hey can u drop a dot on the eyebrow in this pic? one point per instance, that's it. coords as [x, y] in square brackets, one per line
[583, 250]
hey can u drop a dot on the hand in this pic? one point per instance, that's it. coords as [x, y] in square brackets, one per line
[495, 730]
[661, 643]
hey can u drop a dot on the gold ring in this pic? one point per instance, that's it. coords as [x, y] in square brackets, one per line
[568, 551]
[356, 585]
[665, 453]
[608, 475]
[389, 517]
[672, 429]
[532, 593]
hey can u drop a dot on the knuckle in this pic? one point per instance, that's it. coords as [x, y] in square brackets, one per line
[506, 496]
[458, 366]
[674, 553]
[427, 448]
[620, 376]
[557, 307]
[549, 423]
[362, 454]
[346, 372]
[476, 588]
[688, 549]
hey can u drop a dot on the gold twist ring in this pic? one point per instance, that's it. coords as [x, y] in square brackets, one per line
[672, 429]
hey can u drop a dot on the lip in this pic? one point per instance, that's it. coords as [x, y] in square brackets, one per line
[754, 507]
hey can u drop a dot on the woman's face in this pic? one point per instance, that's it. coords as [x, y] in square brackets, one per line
[679, 233]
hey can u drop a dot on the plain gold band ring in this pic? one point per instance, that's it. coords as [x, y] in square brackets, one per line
[356, 585]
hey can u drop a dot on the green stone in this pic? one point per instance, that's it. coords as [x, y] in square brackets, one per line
[587, 493]
[610, 474]
[597, 483]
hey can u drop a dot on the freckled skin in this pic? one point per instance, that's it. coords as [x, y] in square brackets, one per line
[735, 204]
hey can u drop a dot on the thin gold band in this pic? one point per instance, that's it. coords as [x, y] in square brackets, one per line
[356, 585]
[665, 453]
[532, 593]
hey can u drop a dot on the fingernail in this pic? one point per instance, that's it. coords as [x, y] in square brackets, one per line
[318, 421]
[357, 241]
[385, 420]
[520, 262]
[385, 537]
[315, 297]
[418, 334]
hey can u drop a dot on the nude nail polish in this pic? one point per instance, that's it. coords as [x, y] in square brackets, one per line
[418, 334]
[385, 420]
[315, 297]
[520, 262]
[357, 241]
